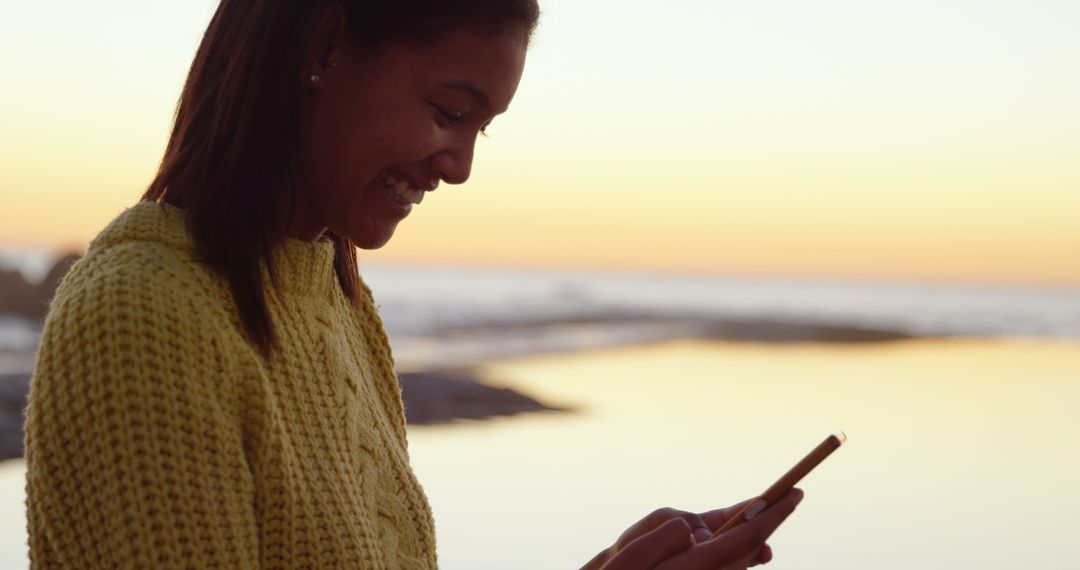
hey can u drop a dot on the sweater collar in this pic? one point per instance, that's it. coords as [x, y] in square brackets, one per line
[305, 267]
[302, 267]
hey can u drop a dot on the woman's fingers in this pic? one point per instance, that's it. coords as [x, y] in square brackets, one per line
[658, 518]
[656, 537]
[764, 556]
[739, 547]
[653, 547]
[716, 518]
[663, 539]
[747, 538]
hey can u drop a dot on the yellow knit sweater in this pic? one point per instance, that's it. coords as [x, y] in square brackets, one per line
[158, 437]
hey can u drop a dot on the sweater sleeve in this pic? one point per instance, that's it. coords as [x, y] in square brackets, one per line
[135, 455]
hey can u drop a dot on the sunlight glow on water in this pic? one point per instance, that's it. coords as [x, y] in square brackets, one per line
[962, 454]
[13, 549]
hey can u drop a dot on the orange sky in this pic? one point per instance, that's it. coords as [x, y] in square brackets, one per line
[925, 141]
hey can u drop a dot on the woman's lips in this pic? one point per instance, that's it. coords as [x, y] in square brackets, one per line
[401, 192]
[394, 204]
[403, 189]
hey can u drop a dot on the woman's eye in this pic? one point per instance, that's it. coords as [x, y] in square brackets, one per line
[449, 118]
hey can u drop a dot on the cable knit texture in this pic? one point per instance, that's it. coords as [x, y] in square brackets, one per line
[157, 436]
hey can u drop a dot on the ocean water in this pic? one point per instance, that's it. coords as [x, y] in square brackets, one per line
[423, 308]
[452, 316]
[415, 299]
[421, 302]
[963, 449]
[961, 454]
[419, 297]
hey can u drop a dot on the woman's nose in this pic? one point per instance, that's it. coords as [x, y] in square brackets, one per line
[454, 164]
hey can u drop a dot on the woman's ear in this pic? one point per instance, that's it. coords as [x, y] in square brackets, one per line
[327, 40]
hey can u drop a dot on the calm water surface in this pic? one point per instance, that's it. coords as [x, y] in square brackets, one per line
[962, 454]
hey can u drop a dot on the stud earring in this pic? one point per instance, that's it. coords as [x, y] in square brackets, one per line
[315, 78]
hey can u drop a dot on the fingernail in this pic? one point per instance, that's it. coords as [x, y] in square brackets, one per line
[800, 497]
[702, 534]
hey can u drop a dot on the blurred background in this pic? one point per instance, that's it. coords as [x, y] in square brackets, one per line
[706, 235]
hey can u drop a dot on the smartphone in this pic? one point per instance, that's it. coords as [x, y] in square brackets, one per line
[785, 483]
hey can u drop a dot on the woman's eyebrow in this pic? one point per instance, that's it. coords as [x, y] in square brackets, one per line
[468, 87]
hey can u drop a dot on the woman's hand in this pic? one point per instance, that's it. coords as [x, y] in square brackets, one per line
[662, 530]
[669, 539]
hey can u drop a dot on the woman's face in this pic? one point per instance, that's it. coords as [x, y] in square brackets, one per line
[385, 128]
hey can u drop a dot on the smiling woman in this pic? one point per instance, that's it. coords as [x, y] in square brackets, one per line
[331, 119]
[387, 126]
[214, 388]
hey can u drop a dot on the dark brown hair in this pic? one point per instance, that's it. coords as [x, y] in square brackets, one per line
[232, 158]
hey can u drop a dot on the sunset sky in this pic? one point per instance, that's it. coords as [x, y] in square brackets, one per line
[935, 140]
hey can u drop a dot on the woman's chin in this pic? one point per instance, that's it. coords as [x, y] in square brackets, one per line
[373, 238]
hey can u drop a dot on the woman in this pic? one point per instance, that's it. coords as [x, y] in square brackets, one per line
[214, 388]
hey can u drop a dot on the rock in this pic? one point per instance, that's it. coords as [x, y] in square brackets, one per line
[430, 398]
[13, 391]
[17, 297]
[22, 298]
[780, 332]
[48, 286]
[444, 396]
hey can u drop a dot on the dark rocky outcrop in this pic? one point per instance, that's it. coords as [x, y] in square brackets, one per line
[439, 397]
[779, 332]
[13, 390]
[431, 397]
[22, 298]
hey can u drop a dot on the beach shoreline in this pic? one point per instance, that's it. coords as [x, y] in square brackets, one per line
[448, 388]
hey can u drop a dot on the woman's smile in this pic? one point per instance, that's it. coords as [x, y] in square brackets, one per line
[398, 193]
[404, 190]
